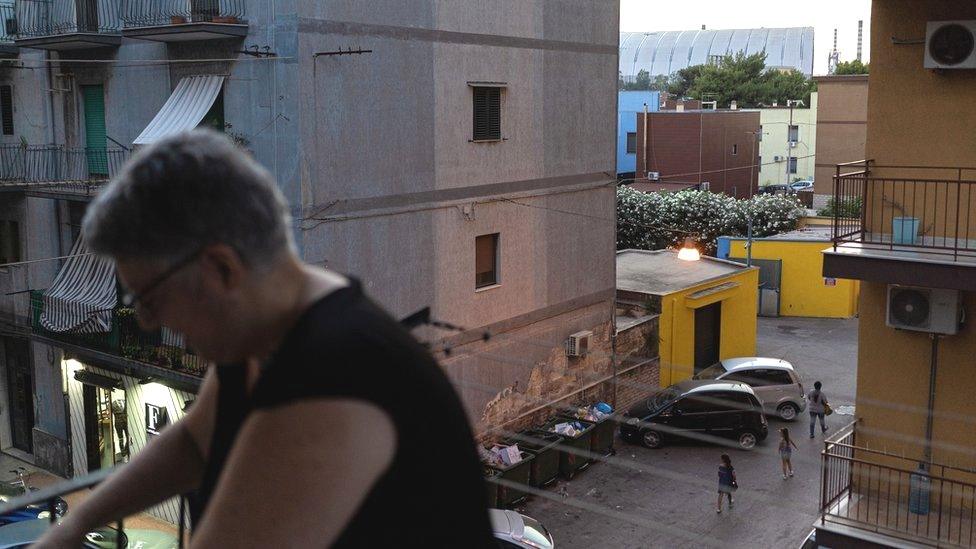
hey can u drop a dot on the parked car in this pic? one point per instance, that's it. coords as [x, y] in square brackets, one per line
[513, 529]
[12, 489]
[797, 186]
[22, 534]
[697, 407]
[775, 188]
[774, 381]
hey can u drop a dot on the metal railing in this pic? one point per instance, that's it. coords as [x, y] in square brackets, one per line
[153, 13]
[76, 169]
[8, 18]
[37, 18]
[890, 495]
[163, 348]
[921, 209]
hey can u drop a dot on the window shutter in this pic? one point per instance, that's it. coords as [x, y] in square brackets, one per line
[487, 113]
[7, 109]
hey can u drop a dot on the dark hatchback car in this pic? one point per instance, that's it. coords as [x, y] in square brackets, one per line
[697, 409]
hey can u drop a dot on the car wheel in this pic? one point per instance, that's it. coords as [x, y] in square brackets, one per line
[651, 439]
[787, 411]
[747, 440]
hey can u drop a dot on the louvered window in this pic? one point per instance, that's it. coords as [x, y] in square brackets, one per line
[487, 113]
[7, 109]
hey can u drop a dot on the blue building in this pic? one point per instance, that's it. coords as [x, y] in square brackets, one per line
[629, 103]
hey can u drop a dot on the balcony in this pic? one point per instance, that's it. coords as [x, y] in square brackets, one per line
[54, 171]
[870, 498]
[161, 353]
[68, 24]
[8, 31]
[912, 225]
[183, 20]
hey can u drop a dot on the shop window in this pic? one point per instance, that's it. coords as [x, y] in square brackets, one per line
[486, 260]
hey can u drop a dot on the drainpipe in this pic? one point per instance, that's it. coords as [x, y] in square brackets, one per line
[930, 409]
[644, 146]
[674, 306]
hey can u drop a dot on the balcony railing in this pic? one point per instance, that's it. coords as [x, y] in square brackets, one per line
[75, 169]
[37, 18]
[163, 348]
[8, 19]
[152, 13]
[889, 495]
[921, 209]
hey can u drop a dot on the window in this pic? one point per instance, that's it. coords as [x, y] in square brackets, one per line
[9, 242]
[778, 377]
[759, 135]
[793, 164]
[735, 150]
[7, 109]
[631, 142]
[695, 404]
[487, 113]
[794, 133]
[759, 160]
[486, 260]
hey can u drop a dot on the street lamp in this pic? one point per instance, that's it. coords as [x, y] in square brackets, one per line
[689, 252]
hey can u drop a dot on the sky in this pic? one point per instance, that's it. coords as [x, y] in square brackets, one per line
[823, 15]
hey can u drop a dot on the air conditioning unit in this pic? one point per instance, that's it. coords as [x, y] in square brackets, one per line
[654, 176]
[578, 344]
[777, 158]
[705, 186]
[950, 45]
[929, 310]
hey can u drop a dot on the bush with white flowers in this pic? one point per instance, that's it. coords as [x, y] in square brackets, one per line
[652, 221]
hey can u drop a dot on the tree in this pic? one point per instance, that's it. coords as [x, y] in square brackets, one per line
[852, 67]
[745, 79]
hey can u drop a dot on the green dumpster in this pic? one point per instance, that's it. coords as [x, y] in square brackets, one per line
[491, 487]
[544, 447]
[517, 473]
[601, 442]
[572, 461]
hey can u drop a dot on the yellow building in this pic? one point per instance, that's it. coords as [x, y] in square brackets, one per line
[793, 281]
[707, 308]
[904, 473]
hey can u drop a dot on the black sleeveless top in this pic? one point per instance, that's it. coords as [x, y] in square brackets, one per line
[433, 494]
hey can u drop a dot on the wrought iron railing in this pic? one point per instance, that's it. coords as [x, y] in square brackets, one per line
[37, 18]
[58, 166]
[153, 13]
[922, 209]
[8, 18]
[891, 495]
[163, 348]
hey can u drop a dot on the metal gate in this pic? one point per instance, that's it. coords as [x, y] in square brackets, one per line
[770, 280]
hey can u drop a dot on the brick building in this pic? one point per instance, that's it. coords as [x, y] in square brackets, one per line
[717, 147]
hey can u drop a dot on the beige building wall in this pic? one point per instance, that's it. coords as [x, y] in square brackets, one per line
[841, 127]
[774, 147]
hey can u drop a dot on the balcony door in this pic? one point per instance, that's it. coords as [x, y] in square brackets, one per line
[20, 392]
[87, 14]
[204, 10]
[95, 141]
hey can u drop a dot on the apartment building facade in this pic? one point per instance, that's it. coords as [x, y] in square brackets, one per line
[423, 146]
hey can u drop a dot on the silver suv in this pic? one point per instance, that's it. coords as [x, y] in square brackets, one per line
[773, 380]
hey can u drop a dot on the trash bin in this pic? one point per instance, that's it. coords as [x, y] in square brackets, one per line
[572, 461]
[601, 441]
[517, 473]
[544, 448]
[490, 487]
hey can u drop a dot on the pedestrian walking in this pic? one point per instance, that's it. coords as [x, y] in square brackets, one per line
[818, 407]
[726, 482]
[786, 446]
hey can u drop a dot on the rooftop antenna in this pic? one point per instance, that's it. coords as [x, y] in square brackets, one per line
[860, 37]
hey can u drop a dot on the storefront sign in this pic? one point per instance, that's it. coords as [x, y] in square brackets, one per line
[157, 418]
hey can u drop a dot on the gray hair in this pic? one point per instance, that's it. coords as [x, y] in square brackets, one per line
[185, 192]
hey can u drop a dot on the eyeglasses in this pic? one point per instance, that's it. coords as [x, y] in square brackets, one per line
[134, 299]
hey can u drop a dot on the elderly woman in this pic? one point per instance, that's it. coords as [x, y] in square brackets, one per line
[306, 433]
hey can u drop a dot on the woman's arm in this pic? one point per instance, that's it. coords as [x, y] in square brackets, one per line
[169, 465]
[297, 474]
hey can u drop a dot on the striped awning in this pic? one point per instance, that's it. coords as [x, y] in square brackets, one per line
[83, 294]
[184, 109]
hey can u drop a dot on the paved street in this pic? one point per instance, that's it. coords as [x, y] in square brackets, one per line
[666, 498]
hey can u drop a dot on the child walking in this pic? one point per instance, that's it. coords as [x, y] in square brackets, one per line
[786, 446]
[726, 481]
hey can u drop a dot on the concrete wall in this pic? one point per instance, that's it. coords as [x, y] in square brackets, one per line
[774, 123]
[629, 103]
[717, 147]
[803, 289]
[841, 125]
[738, 331]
